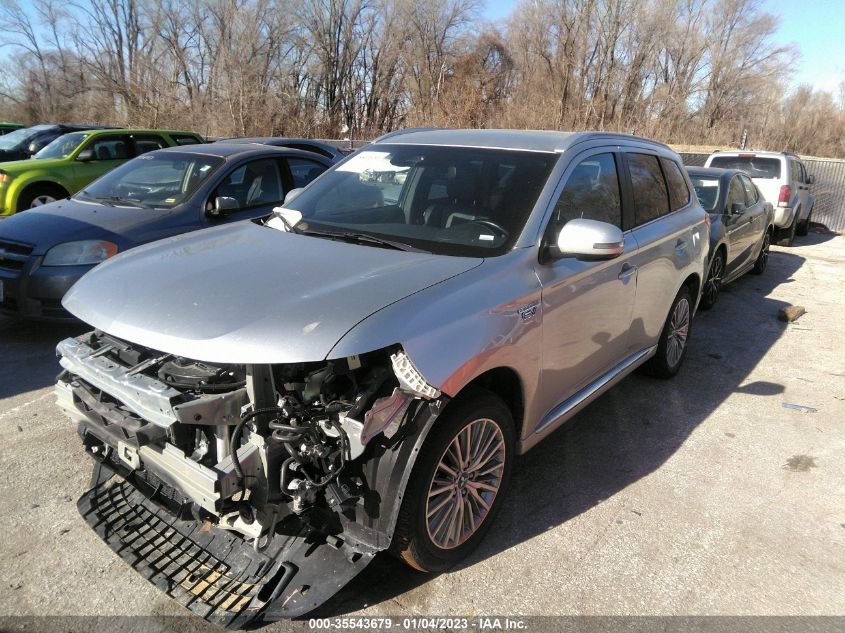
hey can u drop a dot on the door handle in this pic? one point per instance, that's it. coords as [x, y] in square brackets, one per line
[627, 271]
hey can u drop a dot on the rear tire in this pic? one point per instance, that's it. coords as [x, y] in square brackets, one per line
[451, 501]
[787, 236]
[672, 345]
[39, 195]
[763, 258]
[804, 226]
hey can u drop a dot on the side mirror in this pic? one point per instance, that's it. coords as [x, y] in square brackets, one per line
[590, 239]
[737, 208]
[811, 179]
[293, 193]
[222, 205]
[86, 155]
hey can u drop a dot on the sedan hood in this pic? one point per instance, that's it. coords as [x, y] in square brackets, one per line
[245, 293]
[71, 220]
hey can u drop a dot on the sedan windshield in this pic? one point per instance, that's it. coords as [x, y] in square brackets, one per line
[445, 200]
[63, 146]
[18, 138]
[160, 180]
[707, 191]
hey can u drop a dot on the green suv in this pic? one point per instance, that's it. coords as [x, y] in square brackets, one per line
[73, 160]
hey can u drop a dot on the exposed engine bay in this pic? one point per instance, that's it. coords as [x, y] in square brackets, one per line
[272, 460]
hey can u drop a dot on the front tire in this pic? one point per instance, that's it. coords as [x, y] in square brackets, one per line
[457, 485]
[672, 345]
[39, 195]
[714, 282]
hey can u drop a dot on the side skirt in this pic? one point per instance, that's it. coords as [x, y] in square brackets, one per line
[568, 408]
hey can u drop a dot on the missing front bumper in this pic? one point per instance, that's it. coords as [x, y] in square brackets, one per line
[215, 574]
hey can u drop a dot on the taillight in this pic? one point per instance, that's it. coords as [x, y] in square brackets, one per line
[785, 195]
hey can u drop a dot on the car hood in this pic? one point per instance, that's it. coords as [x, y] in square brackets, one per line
[71, 220]
[245, 293]
[15, 167]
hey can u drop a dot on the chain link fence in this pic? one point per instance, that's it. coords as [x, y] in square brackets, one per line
[828, 190]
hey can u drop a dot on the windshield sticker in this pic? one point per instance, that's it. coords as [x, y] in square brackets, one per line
[368, 161]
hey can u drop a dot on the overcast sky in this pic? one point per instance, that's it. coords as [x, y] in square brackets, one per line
[817, 27]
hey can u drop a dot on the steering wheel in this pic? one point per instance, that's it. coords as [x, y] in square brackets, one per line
[496, 228]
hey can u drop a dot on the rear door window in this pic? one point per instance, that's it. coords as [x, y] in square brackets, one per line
[303, 171]
[651, 198]
[678, 190]
[144, 144]
[754, 166]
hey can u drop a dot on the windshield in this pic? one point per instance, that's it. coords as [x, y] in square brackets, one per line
[18, 138]
[152, 180]
[63, 146]
[446, 200]
[707, 191]
[754, 166]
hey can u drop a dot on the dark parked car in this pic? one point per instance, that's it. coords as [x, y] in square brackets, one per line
[741, 229]
[6, 127]
[159, 194]
[305, 144]
[23, 143]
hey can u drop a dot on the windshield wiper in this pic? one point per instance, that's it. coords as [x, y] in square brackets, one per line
[117, 201]
[365, 238]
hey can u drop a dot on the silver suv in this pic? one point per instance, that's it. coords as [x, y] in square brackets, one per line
[283, 398]
[784, 182]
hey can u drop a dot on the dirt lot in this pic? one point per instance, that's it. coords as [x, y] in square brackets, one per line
[701, 495]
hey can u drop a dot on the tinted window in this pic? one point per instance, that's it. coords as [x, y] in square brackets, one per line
[651, 200]
[253, 184]
[754, 166]
[144, 144]
[181, 139]
[591, 192]
[750, 191]
[736, 193]
[678, 190]
[110, 147]
[304, 171]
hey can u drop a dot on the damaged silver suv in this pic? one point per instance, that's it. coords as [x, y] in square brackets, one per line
[270, 403]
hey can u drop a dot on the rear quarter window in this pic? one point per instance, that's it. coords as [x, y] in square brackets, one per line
[754, 166]
[678, 191]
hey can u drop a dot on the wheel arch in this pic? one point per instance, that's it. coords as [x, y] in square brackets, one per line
[36, 184]
[507, 385]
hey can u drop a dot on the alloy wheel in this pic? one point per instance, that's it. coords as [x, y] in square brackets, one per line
[678, 331]
[41, 200]
[465, 483]
[764, 253]
[714, 280]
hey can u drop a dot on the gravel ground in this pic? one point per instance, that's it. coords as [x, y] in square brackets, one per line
[702, 495]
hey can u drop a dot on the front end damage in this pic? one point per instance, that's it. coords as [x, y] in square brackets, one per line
[248, 493]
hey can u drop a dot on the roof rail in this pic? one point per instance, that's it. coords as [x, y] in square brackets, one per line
[406, 130]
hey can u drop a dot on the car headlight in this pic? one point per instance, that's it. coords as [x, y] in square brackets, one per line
[80, 253]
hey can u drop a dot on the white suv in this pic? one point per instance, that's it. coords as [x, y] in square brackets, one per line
[783, 180]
